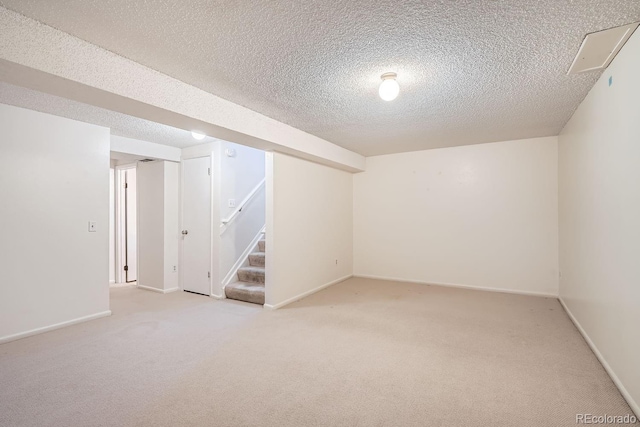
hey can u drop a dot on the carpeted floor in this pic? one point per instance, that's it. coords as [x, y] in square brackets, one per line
[360, 353]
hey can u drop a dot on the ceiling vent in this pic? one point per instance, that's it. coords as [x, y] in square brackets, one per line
[598, 49]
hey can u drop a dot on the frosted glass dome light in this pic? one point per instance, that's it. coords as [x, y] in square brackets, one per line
[389, 88]
[198, 135]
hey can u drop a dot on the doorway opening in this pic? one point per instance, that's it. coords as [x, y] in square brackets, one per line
[123, 230]
[127, 223]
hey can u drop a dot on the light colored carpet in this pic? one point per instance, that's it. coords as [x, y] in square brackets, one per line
[360, 353]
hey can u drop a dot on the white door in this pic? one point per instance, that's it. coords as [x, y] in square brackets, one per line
[196, 225]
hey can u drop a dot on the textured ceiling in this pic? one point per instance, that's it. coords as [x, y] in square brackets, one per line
[470, 71]
[120, 124]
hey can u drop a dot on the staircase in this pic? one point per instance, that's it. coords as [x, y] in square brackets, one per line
[250, 287]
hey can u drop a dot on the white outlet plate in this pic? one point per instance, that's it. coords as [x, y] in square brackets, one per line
[232, 203]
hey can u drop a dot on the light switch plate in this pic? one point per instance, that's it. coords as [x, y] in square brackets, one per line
[92, 227]
[232, 203]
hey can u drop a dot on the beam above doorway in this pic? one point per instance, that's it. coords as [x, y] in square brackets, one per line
[40, 57]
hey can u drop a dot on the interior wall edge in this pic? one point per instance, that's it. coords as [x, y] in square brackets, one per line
[616, 380]
[157, 290]
[307, 293]
[460, 286]
[461, 147]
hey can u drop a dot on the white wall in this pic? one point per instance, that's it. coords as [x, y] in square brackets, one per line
[54, 179]
[309, 227]
[480, 216]
[136, 147]
[171, 224]
[150, 180]
[599, 160]
[158, 225]
[200, 150]
[239, 174]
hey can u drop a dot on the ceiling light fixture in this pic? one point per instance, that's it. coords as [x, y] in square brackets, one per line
[198, 135]
[389, 88]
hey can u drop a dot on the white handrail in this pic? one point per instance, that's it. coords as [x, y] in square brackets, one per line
[243, 204]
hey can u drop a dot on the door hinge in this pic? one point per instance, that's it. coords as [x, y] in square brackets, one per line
[126, 268]
[209, 171]
[209, 274]
[126, 185]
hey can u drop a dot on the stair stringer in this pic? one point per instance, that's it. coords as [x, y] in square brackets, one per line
[243, 261]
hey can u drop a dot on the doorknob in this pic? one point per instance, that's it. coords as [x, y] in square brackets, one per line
[185, 232]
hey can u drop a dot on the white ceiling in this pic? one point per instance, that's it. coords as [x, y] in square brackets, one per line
[470, 71]
[120, 124]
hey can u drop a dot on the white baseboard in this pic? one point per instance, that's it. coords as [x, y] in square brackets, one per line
[214, 296]
[160, 291]
[53, 327]
[112, 282]
[632, 403]
[306, 294]
[453, 285]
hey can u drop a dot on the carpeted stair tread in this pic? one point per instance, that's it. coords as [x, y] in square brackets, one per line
[251, 274]
[243, 291]
[250, 287]
[256, 259]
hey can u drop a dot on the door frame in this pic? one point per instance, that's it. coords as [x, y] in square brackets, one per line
[120, 216]
[214, 218]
